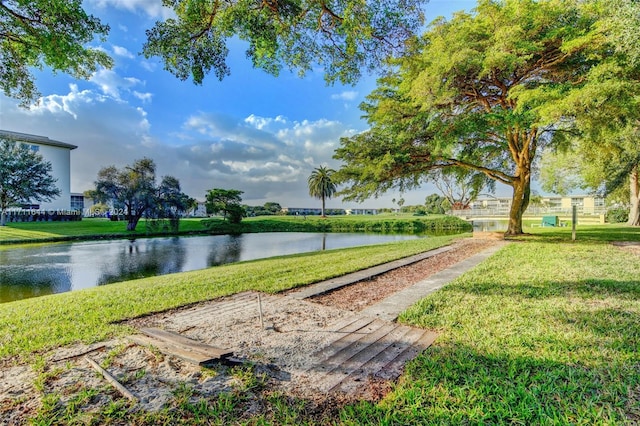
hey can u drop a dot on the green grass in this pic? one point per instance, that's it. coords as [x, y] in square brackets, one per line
[92, 228]
[91, 315]
[86, 228]
[541, 333]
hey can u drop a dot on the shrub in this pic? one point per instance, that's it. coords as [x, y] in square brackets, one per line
[617, 215]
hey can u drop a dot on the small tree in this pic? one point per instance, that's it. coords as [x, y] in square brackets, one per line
[227, 202]
[134, 187]
[24, 176]
[320, 184]
[460, 186]
[434, 204]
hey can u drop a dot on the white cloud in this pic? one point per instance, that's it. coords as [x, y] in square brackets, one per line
[216, 151]
[122, 51]
[348, 95]
[153, 9]
[144, 97]
[112, 84]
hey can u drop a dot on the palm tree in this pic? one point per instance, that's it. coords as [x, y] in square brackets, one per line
[320, 184]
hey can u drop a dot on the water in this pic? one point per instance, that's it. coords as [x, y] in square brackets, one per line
[56, 268]
[489, 225]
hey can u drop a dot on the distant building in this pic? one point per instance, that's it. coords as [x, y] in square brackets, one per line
[306, 211]
[361, 211]
[59, 155]
[557, 205]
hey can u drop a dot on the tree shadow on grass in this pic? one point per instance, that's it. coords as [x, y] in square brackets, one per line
[457, 384]
[584, 234]
[586, 289]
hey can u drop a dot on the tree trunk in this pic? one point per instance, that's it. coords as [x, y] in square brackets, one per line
[519, 203]
[323, 206]
[3, 218]
[131, 224]
[634, 186]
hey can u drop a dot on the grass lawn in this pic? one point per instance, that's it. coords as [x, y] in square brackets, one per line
[547, 331]
[88, 227]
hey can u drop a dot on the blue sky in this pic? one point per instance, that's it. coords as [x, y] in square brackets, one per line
[253, 132]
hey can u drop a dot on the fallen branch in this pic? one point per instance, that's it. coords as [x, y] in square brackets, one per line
[79, 354]
[116, 384]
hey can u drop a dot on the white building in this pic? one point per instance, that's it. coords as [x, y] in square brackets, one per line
[59, 155]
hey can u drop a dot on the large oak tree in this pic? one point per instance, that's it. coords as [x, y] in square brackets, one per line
[470, 96]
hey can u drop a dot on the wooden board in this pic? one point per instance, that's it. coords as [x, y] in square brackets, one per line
[182, 347]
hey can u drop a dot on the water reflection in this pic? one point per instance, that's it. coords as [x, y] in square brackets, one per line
[144, 258]
[31, 271]
[227, 249]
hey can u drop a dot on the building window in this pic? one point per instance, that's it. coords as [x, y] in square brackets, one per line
[34, 148]
[577, 202]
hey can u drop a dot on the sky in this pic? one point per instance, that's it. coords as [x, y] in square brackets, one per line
[252, 131]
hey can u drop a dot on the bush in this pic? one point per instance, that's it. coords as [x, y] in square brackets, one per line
[617, 215]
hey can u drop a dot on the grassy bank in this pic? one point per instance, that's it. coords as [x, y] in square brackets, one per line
[99, 228]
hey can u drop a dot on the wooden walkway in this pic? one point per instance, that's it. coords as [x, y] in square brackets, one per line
[351, 351]
[368, 348]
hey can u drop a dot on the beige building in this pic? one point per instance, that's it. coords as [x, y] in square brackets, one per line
[586, 205]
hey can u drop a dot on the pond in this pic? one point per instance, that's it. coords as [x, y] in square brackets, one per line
[490, 225]
[30, 271]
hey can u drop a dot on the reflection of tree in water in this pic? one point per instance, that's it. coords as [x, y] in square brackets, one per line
[19, 280]
[146, 258]
[225, 250]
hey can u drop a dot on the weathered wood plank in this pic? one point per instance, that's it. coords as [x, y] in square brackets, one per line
[186, 343]
[348, 334]
[390, 346]
[109, 378]
[168, 349]
[351, 358]
[394, 368]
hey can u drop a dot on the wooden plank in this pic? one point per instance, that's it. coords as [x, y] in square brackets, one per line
[185, 343]
[351, 358]
[114, 382]
[350, 333]
[168, 349]
[394, 368]
[393, 343]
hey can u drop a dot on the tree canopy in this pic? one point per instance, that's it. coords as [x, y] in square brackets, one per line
[52, 33]
[134, 189]
[473, 94]
[24, 176]
[603, 154]
[225, 201]
[343, 36]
